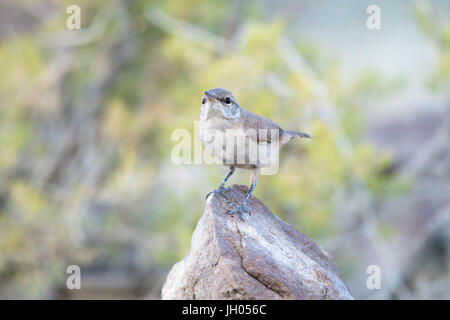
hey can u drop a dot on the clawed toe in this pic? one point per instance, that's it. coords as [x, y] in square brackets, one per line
[239, 209]
[219, 190]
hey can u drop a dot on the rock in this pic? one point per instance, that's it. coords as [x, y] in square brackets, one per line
[257, 256]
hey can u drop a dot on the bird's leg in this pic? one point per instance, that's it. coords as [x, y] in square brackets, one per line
[243, 206]
[221, 187]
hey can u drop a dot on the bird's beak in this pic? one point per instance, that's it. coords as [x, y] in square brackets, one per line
[210, 96]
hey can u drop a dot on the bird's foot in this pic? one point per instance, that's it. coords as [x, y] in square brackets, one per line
[240, 209]
[219, 190]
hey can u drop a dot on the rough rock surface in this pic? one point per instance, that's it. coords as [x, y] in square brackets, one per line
[253, 257]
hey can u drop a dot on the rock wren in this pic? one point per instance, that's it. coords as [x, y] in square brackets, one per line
[220, 113]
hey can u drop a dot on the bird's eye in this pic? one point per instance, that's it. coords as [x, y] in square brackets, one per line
[203, 100]
[227, 100]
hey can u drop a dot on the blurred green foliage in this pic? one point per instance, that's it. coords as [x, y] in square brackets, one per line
[435, 27]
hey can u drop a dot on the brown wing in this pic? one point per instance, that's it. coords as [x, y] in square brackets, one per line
[263, 126]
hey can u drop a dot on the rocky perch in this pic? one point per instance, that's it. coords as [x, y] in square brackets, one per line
[257, 257]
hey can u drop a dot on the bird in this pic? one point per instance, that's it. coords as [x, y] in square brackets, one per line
[220, 114]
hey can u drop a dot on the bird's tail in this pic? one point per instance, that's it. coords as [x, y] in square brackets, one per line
[298, 134]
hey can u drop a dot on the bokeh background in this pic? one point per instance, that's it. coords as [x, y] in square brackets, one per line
[86, 118]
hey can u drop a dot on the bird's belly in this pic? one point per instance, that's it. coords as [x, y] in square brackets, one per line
[235, 148]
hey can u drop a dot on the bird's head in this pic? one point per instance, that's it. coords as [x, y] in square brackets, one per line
[220, 102]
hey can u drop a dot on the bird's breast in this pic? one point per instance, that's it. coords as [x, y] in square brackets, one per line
[239, 150]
